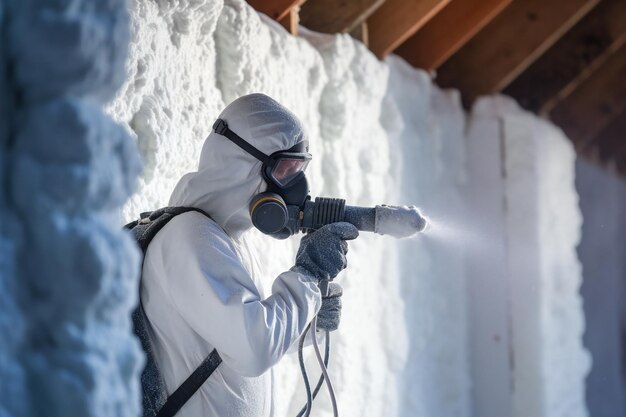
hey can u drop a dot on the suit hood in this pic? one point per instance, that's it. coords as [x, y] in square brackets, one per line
[228, 177]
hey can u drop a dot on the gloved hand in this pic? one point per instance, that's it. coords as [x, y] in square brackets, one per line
[323, 252]
[330, 314]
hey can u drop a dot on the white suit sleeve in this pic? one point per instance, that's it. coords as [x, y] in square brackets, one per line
[215, 294]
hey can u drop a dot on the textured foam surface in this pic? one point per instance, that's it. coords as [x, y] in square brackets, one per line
[390, 348]
[381, 132]
[72, 272]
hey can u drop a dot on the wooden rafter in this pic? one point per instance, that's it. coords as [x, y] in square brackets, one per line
[361, 33]
[509, 44]
[595, 101]
[276, 9]
[291, 20]
[396, 20]
[331, 16]
[448, 31]
[572, 58]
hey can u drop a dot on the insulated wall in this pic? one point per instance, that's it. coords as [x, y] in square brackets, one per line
[415, 334]
[417, 317]
[402, 343]
[543, 230]
[67, 271]
[528, 312]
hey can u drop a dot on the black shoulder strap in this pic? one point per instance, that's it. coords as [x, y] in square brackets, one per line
[144, 230]
[190, 386]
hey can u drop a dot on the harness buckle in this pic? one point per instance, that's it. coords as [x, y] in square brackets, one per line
[220, 127]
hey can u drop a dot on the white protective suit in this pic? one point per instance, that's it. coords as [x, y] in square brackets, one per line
[201, 287]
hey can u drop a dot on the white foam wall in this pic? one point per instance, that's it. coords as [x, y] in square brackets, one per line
[544, 269]
[540, 267]
[380, 132]
[402, 343]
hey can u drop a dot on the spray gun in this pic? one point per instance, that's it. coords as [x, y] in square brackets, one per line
[272, 216]
[396, 221]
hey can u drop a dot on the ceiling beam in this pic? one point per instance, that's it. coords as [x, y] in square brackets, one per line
[448, 31]
[291, 20]
[561, 68]
[361, 33]
[510, 44]
[331, 16]
[396, 20]
[595, 101]
[276, 9]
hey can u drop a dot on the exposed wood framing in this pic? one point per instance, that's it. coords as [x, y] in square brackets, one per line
[331, 16]
[509, 44]
[396, 20]
[291, 20]
[361, 33]
[559, 70]
[592, 105]
[448, 31]
[276, 9]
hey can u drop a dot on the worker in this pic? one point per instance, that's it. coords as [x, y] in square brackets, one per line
[202, 287]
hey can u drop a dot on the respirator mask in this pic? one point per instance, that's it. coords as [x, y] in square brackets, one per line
[287, 186]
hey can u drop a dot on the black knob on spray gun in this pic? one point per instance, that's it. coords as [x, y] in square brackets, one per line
[397, 221]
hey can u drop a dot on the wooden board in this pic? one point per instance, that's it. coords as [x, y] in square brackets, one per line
[276, 9]
[291, 20]
[448, 31]
[331, 16]
[396, 20]
[595, 101]
[565, 65]
[509, 44]
[361, 33]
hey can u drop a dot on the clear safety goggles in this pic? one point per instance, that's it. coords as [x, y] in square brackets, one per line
[286, 167]
[281, 167]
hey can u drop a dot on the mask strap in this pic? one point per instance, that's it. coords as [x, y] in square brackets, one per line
[221, 128]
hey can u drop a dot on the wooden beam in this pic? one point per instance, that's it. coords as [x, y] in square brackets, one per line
[396, 20]
[331, 16]
[561, 68]
[291, 20]
[592, 105]
[276, 9]
[509, 44]
[361, 33]
[448, 31]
